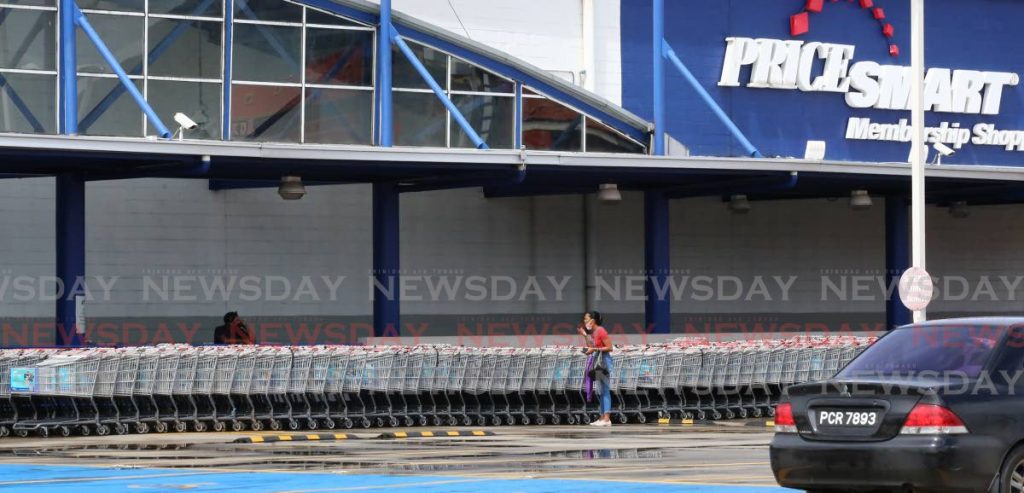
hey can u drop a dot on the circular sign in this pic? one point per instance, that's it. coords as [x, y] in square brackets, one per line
[916, 288]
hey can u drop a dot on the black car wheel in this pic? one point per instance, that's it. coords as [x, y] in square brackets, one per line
[1012, 476]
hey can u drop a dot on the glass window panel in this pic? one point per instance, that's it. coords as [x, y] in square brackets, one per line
[192, 48]
[33, 3]
[27, 39]
[339, 57]
[549, 126]
[404, 75]
[199, 100]
[267, 10]
[121, 117]
[339, 116]
[419, 120]
[265, 113]
[267, 53]
[122, 35]
[118, 5]
[197, 8]
[493, 118]
[468, 77]
[27, 103]
[314, 16]
[601, 138]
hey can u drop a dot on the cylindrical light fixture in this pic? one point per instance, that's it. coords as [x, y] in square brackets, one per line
[291, 188]
[609, 193]
[739, 204]
[860, 200]
[959, 209]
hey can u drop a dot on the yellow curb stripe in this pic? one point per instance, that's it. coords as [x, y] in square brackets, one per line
[401, 434]
[428, 433]
[479, 433]
[256, 439]
[284, 438]
[312, 437]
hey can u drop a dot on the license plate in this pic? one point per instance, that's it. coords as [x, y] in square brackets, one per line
[840, 418]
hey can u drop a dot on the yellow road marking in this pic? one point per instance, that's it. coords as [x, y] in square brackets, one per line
[285, 438]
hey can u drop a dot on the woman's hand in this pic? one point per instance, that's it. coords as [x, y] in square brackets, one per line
[590, 350]
[581, 331]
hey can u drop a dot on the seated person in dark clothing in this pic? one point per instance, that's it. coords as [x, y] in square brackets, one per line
[233, 331]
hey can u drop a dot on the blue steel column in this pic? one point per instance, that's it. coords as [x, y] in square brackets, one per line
[657, 311]
[897, 257]
[658, 63]
[386, 307]
[229, 38]
[384, 108]
[70, 252]
[68, 103]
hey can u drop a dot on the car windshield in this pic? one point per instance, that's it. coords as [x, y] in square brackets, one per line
[928, 352]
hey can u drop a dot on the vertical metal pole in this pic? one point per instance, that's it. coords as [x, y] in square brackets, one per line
[657, 309]
[384, 107]
[897, 257]
[917, 205]
[386, 307]
[658, 62]
[229, 38]
[70, 254]
[68, 100]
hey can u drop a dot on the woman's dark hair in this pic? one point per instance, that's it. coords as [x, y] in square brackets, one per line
[596, 315]
[231, 316]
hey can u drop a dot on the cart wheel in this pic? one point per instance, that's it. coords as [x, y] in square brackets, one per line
[140, 428]
[687, 415]
[180, 426]
[347, 423]
[392, 422]
[541, 420]
[102, 430]
[219, 426]
[771, 412]
[65, 431]
[438, 421]
[275, 425]
[5, 431]
[293, 424]
[701, 415]
[257, 426]
[715, 415]
[641, 418]
[237, 426]
[623, 419]
[570, 419]
[312, 424]
[584, 419]
[380, 422]
[160, 427]
[365, 423]
[556, 419]
[330, 424]
[121, 429]
[495, 420]
[44, 432]
[757, 413]
[743, 413]
[480, 421]
[729, 414]
[510, 420]
[452, 420]
[524, 420]
[424, 421]
[410, 421]
[24, 433]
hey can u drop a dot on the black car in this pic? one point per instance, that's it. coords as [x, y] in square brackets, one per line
[937, 407]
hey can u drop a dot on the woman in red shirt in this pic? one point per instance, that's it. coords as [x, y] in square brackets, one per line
[597, 341]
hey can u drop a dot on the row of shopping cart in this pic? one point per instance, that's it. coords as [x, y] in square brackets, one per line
[179, 388]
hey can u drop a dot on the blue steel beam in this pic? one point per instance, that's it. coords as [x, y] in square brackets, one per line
[386, 261]
[70, 249]
[445, 100]
[93, 36]
[68, 75]
[518, 139]
[384, 101]
[104, 104]
[20, 105]
[703, 93]
[657, 263]
[658, 65]
[897, 257]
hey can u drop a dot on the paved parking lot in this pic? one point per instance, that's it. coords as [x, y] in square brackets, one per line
[701, 458]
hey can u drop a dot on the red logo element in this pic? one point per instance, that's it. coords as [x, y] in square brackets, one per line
[800, 23]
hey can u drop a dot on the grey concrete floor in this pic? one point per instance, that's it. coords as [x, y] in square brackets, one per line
[727, 453]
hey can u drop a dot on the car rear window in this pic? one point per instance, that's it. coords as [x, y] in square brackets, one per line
[923, 351]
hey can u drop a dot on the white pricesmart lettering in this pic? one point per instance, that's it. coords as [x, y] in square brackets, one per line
[793, 65]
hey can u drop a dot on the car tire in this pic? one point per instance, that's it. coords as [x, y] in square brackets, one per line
[1014, 461]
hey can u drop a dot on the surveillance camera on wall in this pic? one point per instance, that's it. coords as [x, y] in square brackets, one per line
[185, 122]
[943, 149]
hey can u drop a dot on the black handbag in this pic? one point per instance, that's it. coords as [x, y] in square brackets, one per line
[599, 371]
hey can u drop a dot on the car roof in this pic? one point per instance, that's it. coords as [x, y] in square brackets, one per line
[999, 321]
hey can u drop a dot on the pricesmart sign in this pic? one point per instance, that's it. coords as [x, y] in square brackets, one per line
[832, 68]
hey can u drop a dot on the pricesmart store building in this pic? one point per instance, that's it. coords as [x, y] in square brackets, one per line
[453, 189]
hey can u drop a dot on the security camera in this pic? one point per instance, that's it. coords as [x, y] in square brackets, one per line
[943, 149]
[185, 122]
